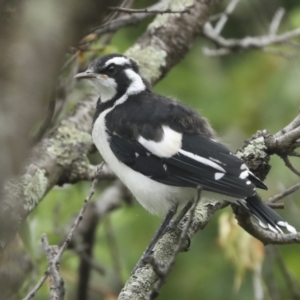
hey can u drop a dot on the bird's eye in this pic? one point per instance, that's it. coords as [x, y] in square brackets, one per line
[111, 69]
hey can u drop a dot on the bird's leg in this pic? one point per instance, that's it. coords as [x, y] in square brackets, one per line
[173, 224]
[172, 211]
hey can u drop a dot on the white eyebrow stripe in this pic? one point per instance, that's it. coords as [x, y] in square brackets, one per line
[202, 160]
[119, 60]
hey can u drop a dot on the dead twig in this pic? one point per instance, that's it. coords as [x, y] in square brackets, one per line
[275, 23]
[127, 20]
[149, 11]
[285, 193]
[54, 260]
[224, 16]
[289, 165]
[57, 289]
[227, 46]
[32, 293]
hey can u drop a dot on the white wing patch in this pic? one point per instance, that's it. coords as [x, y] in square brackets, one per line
[202, 160]
[219, 175]
[167, 147]
[244, 174]
[118, 61]
[244, 167]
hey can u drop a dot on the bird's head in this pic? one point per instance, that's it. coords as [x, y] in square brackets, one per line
[114, 75]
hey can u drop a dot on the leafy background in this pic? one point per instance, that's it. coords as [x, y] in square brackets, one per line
[239, 94]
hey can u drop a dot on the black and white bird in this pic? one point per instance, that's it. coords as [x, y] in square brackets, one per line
[163, 150]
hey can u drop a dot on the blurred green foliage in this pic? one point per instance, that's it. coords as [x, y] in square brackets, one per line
[239, 94]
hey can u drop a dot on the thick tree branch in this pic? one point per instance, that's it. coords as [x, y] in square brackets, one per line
[32, 51]
[141, 281]
[255, 152]
[59, 158]
[163, 272]
[169, 37]
[62, 156]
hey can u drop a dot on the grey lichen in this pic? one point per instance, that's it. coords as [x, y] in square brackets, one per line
[31, 187]
[35, 187]
[176, 5]
[150, 60]
[62, 145]
[256, 147]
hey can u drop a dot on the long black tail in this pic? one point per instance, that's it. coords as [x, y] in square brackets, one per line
[266, 216]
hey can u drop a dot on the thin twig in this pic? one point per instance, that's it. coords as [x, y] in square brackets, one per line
[288, 163]
[249, 42]
[57, 289]
[227, 46]
[79, 217]
[275, 23]
[294, 124]
[149, 11]
[224, 17]
[276, 205]
[116, 14]
[289, 137]
[56, 259]
[285, 193]
[32, 293]
[127, 20]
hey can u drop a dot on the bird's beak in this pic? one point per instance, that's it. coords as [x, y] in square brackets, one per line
[85, 75]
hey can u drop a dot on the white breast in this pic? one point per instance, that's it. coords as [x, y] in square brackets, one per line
[153, 196]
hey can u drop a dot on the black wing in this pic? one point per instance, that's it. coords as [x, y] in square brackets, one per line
[185, 171]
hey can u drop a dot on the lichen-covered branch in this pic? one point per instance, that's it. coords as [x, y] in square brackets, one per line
[59, 158]
[62, 157]
[169, 37]
[256, 153]
[140, 283]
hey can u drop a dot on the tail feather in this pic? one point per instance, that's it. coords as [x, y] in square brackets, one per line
[266, 216]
